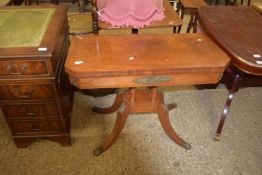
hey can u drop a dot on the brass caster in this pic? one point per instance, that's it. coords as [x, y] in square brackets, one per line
[171, 106]
[95, 109]
[98, 151]
[186, 145]
[217, 137]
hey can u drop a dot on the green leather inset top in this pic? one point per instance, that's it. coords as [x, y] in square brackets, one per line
[4, 2]
[23, 27]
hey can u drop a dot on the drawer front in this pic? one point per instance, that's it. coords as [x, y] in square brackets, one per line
[29, 110]
[26, 92]
[21, 127]
[20, 68]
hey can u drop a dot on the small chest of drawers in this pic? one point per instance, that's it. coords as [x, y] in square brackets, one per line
[35, 94]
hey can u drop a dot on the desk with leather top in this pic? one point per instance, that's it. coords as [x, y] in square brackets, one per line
[35, 94]
[143, 61]
[238, 30]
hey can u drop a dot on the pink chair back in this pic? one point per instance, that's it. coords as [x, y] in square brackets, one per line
[130, 13]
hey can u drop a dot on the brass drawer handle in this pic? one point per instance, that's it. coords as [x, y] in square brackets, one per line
[32, 111]
[22, 68]
[36, 128]
[15, 73]
[26, 94]
[152, 79]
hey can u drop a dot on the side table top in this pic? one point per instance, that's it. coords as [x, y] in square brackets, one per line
[136, 55]
[238, 30]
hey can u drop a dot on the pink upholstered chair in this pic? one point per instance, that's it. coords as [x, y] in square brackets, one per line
[132, 13]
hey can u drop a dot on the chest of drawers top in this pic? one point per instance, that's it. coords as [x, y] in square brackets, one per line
[31, 40]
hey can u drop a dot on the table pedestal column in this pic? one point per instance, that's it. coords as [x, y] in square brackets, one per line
[139, 101]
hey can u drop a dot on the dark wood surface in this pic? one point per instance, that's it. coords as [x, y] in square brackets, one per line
[238, 30]
[143, 60]
[35, 94]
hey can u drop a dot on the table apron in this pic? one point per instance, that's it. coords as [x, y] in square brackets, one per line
[154, 80]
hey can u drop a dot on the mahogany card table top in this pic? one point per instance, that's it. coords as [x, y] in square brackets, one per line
[144, 60]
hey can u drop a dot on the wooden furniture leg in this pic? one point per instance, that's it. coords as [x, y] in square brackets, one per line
[234, 89]
[192, 8]
[118, 101]
[248, 2]
[122, 115]
[139, 101]
[165, 123]
[193, 22]
[190, 24]
[24, 142]
[234, 79]
[62, 140]
[180, 9]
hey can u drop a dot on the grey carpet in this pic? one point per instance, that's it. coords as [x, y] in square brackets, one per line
[143, 147]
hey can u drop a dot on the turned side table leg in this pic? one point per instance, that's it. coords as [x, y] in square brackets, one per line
[117, 103]
[119, 125]
[162, 112]
[248, 2]
[180, 9]
[195, 22]
[191, 22]
[233, 90]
